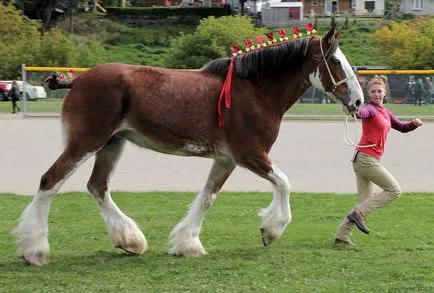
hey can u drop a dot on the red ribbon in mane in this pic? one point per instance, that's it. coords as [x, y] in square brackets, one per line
[225, 93]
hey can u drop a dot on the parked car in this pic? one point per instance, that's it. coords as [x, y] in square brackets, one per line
[4, 90]
[31, 92]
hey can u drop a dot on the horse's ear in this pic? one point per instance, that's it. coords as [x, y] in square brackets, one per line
[338, 34]
[330, 34]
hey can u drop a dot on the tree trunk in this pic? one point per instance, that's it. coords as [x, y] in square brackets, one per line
[46, 13]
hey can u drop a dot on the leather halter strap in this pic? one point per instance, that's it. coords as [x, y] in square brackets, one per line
[335, 84]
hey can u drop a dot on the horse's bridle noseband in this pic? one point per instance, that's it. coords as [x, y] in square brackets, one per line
[335, 84]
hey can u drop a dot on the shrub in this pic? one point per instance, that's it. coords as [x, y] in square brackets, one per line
[212, 39]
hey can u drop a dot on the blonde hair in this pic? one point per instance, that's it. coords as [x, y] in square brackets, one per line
[379, 80]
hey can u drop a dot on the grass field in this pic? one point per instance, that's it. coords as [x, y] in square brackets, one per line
[54, 105]
[398, 256]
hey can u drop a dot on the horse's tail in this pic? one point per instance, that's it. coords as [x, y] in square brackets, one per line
[58, 81]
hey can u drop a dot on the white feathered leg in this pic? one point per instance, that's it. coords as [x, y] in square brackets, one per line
[185, 236]
[32, 229]
[123, 231]
[277, 215]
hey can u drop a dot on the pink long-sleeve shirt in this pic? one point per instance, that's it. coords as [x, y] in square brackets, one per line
[376, 123]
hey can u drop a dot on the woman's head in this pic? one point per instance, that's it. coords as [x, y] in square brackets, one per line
[377, 89]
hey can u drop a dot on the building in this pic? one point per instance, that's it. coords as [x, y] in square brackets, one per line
[361, 8]
[281, 13]
[417, 7]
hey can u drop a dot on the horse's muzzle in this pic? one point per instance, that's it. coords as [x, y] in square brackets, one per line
[353, 108]
[349, 110]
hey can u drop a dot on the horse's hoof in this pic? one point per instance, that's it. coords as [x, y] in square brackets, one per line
[188, 251]
[133, 250]
[36, 260]
[267, 237]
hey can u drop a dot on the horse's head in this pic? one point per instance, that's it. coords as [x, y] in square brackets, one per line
[333, 73]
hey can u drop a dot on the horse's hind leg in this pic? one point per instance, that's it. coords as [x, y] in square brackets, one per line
[185, 236]
[123, 231]
[32, 230]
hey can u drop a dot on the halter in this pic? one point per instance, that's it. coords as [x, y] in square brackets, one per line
[335, 84]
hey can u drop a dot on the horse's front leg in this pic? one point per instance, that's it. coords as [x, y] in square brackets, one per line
[277, 215]
[185, 236]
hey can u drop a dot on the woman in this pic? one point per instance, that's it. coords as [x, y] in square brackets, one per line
[14, 95]
[376, 123]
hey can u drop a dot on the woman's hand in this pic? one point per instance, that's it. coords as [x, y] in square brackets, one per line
[417, 122]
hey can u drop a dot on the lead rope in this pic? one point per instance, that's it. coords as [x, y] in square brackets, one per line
[347, 138]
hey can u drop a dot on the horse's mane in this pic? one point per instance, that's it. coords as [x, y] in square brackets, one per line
[269, 61]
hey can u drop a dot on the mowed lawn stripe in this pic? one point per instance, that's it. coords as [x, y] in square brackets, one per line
[397, 257]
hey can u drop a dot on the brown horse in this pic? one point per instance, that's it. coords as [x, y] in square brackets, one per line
[175, 112]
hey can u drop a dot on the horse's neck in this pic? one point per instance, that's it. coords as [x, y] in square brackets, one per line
[285, 92]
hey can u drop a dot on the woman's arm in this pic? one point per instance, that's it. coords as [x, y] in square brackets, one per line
[404, 127]
[367, 112]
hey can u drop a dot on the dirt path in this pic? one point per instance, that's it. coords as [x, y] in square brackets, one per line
[312, 154]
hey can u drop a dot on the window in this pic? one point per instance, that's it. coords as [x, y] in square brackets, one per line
[370, 6]
[353, 4]
[314, 2]
[417, 4]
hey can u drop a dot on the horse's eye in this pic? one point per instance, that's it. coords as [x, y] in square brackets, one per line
[336, 61]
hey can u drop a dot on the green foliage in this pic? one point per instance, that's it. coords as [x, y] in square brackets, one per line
[137, 54]
[359, 46]
[332, 21]
[212, 39]
[22, 44]
[346, 23]
[408, 44]
[163, 12]
[16, 33]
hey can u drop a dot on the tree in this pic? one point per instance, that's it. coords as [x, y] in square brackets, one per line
[408, 45]
[212, 39]
[22, 43]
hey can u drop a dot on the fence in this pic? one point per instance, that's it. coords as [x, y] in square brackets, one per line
[401, 86]
[400, 82]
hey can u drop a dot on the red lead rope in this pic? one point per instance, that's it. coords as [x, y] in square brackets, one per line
[225, 93]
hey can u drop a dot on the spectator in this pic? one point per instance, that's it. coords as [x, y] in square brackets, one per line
[14, 95]
[427, 90]
[418, 90]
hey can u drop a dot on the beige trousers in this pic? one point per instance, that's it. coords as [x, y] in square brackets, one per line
[369, 171]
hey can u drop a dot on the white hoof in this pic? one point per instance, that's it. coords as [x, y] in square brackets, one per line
[188, 247]
[35, 255]
[38, 259]
[132, 241]
[272, 226]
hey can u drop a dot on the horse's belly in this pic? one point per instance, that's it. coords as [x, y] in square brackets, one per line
[181, 148]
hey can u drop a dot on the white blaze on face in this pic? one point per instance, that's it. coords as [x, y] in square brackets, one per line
[354, 90]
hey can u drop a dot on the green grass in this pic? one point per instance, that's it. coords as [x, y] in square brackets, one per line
[40, 106]
[54, 105]
[335, 109]
[397, 257]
